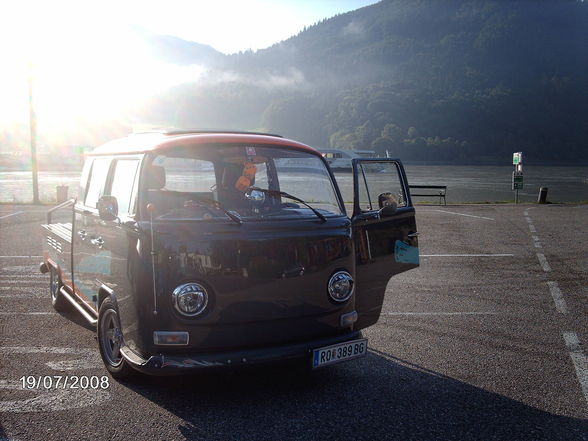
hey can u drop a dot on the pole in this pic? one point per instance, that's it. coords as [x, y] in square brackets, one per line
[33, 127]
[517, 174]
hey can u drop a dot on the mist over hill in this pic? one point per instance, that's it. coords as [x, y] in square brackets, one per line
[431, 80]
[453, 81]
[444, 80]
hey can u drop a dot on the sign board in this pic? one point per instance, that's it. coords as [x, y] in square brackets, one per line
[517, 158]
[517, 181]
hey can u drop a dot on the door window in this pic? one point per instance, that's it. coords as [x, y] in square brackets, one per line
[98, 175]
[379, 184]
[123, 181]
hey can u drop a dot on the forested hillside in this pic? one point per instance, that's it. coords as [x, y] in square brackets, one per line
[430, 80]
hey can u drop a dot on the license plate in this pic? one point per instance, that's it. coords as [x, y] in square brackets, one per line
[339, 352]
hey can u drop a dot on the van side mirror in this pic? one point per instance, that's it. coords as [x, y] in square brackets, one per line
[107, 208]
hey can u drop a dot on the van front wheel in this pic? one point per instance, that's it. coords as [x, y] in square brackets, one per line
[110, 341]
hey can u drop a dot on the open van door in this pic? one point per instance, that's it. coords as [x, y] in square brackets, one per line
[384, 232]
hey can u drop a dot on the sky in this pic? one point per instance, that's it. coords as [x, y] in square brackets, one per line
[231, 26]
[85, 62]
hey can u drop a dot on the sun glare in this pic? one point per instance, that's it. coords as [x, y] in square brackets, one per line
[80, 67]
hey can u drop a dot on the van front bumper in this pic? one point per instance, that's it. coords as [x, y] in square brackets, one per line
[172, 364]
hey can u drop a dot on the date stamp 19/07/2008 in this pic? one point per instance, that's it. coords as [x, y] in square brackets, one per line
[83, 382]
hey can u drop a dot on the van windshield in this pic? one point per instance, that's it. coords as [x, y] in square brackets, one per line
[177, 181]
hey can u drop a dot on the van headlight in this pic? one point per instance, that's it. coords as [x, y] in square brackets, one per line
[340, 286]
[190, 299]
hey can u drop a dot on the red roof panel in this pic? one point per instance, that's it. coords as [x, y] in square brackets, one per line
[148, 142]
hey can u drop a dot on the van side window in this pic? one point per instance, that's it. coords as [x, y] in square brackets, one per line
[84, 179]
[379, 181]
[98, 175]
[123, 179]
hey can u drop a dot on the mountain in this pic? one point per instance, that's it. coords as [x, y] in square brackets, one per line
[175, 50]
[425, 80]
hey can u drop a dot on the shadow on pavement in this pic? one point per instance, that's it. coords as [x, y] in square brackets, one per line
[375, 398]
[74, 316]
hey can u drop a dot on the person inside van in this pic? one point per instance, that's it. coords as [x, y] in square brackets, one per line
[233, 186]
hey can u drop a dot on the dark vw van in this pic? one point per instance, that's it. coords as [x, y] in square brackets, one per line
[191, 249]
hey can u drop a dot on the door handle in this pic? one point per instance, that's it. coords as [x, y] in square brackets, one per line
[82, 234]
[414, 234]
[98, 242]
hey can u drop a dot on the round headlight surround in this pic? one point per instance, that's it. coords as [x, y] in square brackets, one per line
[338, 281]
[184, 297]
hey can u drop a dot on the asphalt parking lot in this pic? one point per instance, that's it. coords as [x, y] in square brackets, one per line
[487, 340]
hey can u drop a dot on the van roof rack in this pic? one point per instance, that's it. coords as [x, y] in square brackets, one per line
[196, 131]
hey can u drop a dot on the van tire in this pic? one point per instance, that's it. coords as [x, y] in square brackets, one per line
[59, 302]
[110, 341]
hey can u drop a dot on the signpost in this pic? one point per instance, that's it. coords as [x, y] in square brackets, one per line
[517, 174]
[33, 129]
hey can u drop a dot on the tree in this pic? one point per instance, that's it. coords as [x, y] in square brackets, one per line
[365, 134]
[343, 140]
[392, 132]
[412, 133]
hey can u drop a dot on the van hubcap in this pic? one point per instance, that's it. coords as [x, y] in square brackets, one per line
[111, 338]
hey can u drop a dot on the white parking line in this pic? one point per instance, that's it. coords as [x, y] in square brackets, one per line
[21, 257]
[442, 313]
[467, 255]
[536, 242]
[579, 359]
[24, 284]
[19, 296]
[23, 294]
[11, 214]
[26, 269]
[558, 299]
[461, 214]
[543, 262]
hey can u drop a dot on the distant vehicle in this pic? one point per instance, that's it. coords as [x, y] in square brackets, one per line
[198, 250]
[341, 159]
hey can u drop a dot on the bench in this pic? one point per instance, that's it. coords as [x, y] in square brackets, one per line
[440, 191]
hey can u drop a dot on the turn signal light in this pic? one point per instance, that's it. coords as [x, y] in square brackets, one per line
[170, 338]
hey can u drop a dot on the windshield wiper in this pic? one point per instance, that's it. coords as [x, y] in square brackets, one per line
[216, 204]
[294, 198]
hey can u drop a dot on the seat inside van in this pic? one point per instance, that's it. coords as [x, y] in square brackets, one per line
[166, 200]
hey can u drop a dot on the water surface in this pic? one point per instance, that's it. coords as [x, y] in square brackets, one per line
[464, 183]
